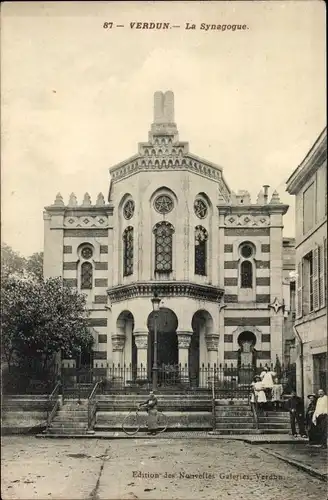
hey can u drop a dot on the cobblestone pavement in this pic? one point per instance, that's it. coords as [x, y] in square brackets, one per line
[168, 469]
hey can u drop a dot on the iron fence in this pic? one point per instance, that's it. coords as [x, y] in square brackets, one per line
[225, 381]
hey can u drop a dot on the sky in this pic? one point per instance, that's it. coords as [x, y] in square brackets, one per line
[77, 98]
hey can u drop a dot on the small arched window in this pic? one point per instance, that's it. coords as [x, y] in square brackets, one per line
[246, 274]
[200, 250]
[128, 251]
[163, 232]
[86, 276]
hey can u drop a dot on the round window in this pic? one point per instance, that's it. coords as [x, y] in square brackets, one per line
[200, 209]
[128, 209]
[163, 204]
[86, 253]
[246, 251]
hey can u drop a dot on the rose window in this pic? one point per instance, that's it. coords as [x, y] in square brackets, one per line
[200, 209]
[128, 209]
[163, 204]
[86, 253]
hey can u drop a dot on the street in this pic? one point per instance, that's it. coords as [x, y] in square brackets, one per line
[151, 469]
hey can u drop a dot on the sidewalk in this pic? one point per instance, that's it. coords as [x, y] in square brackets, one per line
[310, 459]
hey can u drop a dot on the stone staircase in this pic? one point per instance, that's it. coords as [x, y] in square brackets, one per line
[187, 411]
[71, 418]
[235, 417]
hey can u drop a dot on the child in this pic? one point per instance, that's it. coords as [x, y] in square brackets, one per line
[277, 391]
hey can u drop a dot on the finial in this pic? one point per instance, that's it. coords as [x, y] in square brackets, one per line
[59, 200]
[260, 198]
[86, 200]
[275, 200]
[72, 202]
[100, 199]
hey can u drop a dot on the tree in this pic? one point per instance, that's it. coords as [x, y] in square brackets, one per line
[12, 263]
[34, 265]
[41, 319]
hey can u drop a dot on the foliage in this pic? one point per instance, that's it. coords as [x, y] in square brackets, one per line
[40, 319]
[14, 264]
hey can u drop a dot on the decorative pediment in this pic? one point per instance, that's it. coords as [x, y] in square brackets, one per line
[246, 220]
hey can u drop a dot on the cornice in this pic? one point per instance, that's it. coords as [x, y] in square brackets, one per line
[268, 208]
[80, 210]
[310, 164]
[165, 289]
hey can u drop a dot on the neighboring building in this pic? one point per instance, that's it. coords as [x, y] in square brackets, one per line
[309, 184]
[172, 226]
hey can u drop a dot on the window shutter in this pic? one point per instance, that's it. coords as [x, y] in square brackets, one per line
[316, 304]
[299, 299]
[321, 277]
[325, 270]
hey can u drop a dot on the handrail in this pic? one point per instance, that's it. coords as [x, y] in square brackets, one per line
[213, 400]
[53, 397]
[254, 407]
[92, 406]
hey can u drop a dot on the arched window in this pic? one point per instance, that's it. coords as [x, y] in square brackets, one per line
[200, 250]
[128, 251]
[86, 276]
[246, 274]
[163, 232]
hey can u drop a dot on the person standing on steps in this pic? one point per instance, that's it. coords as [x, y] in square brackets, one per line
[258, 394]
[267, 376]
[310, 426]
[320, 418]
[151, 407]
[277, 391]
[296, 412]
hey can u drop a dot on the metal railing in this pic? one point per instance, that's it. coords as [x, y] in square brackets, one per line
[254, 408]
[53, 403]
[92, 406]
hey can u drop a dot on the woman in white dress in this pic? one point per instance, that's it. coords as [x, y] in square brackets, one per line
[258, 395]
[267, 377]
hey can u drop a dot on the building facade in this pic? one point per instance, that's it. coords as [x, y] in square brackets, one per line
[309, 185]
[172, 226]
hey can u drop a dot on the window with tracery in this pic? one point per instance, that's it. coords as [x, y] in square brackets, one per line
[246, 274]
[86, 276]
[163, 232]
[128, 209]
[200, 208]
[163, 204]
[201, 237]
[128, 251]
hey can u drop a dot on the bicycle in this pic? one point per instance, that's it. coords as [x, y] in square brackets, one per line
[133, 422]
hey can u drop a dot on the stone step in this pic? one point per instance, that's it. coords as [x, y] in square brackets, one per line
[73, 425]
[229, 431]
[69, 417]
[28, 397]
[67, 431]
[114, 420]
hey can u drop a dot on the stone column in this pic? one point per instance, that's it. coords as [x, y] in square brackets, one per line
[141, 340]
[184, 339]
[212, 344]
[116, 373]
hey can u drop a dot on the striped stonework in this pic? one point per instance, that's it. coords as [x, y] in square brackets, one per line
[247, 321]
[97, 321]
[67, 249]
[101, 282]
[263, 298]
[228, 338]
[100, 299]
[263, 281]
[230, 298]
[85, 233]
[103, 248]
[265, 337]
[247, 232]
[265, 248]
[228, 248]
[230, 281]
[102, 338]
[231, 264]
[69, 266]
[101, 266]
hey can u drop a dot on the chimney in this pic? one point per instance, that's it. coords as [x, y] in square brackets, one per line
[266, 193]
[164, 116]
